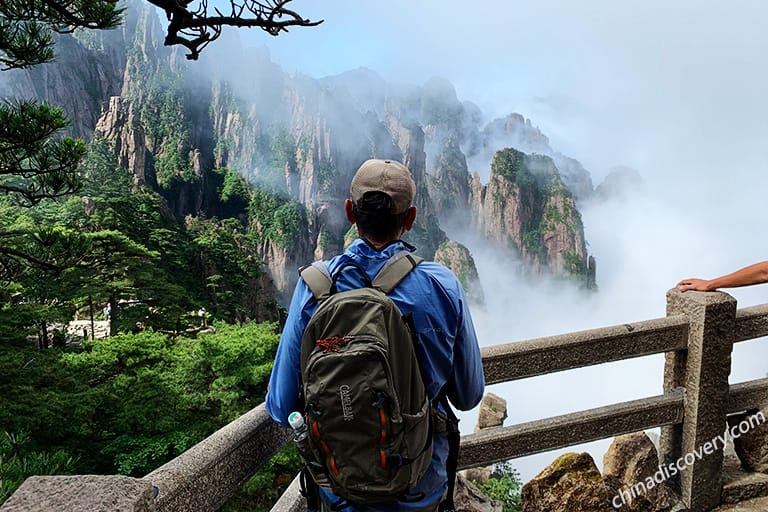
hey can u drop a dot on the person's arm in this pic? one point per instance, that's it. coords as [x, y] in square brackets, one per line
[468, 380]
[753, 274]
[284, 387]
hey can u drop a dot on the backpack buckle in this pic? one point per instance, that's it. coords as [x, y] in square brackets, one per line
[379, 399]
[313, 411]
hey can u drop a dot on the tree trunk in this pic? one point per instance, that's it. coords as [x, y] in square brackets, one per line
[93, 324]
[114, 312]
[43, 335]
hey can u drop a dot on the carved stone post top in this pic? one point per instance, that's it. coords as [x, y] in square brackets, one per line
[699, 298]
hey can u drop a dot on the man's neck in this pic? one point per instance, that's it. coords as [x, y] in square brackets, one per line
[376, 244]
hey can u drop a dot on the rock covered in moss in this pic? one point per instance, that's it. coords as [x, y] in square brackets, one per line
[571, 483]
[457, 257]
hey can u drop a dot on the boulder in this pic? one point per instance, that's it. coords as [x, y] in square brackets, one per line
[478, 475]
[572, 482]
[468, 498]
[631, 467]
[751, 445]
[493, 412]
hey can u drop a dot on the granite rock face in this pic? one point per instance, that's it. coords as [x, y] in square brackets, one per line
[457, 257]
[175, 126]
[526, 207]
[571, 483]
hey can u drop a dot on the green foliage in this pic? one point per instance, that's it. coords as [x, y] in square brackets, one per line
[235, 188]
[18, 461]
[328, 240]
[173, 166]
[326, 174]
[276, 219]
[129, 403]
[533, 244]
[163, 119]
[234, 193]
[228, 263]
[462, 264]
[509, 163]
[552, 217]
[139, 455]
[282, 149]
[351, 235]
[574, 264]
[231, 368]
[27, 27]
[287, 222]
[516, 167]
[33, 164]
[505, 486]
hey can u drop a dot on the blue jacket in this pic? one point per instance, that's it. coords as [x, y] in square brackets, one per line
[434, 296]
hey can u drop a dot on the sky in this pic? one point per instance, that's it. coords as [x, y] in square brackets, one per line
[675, 90]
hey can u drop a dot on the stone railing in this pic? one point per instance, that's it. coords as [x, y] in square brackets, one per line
[697, 337]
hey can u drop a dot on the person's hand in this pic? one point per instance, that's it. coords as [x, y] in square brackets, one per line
[700, 285]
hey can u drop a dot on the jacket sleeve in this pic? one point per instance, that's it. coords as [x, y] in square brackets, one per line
[467, 383]
[284, 387]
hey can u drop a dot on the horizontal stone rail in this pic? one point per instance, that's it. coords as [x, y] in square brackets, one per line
[208, 474]
[502, 443]
[523, 359]
[751, 322]
[747, 395]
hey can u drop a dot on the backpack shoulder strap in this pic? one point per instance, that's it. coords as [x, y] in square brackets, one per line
[395, 270]
[318, 279]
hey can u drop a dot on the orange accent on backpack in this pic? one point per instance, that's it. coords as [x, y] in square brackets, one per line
[332, 344]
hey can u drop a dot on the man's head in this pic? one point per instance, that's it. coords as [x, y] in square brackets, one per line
[381, 195]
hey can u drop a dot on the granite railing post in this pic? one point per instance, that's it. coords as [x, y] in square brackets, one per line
[702, 370]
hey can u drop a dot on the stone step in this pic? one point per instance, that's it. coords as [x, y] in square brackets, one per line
[753, 505]
[740, 485]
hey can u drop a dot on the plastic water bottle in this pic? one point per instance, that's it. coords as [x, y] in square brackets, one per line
[300, 432]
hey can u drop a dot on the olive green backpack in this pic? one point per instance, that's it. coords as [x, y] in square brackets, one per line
[366, 406]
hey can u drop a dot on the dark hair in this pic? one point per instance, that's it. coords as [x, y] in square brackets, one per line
[374, 217]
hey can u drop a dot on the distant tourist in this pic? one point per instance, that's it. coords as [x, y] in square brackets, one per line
[107, 310]
[747, 276]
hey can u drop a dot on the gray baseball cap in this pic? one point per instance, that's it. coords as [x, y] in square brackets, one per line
[388, 176]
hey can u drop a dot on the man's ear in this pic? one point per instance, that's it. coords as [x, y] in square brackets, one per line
[348, 211]
[410, 218]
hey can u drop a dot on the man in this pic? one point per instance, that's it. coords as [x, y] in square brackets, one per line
[747, 276]
[382, 193]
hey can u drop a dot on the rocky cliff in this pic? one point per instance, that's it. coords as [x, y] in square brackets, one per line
[526, 207]
[178, 127]
[458, 258]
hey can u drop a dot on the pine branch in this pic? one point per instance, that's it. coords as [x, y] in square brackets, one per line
[196, 29]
